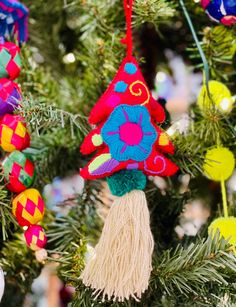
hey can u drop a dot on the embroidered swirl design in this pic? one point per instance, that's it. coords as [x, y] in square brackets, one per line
[138, 90]
[155, 161]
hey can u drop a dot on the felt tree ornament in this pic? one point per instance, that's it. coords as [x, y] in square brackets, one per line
[129, 146]
[223, 11]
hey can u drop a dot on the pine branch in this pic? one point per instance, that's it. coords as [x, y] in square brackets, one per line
[65, 231]
[56, 134]
[55, 154]
[19, 263]
[153, 11]
[39, 82]
[187, 155]
[165, 210]
[8, 222]
[43, 118]
[183, 276]
[185, 270]
[219, 46]
[207, 128]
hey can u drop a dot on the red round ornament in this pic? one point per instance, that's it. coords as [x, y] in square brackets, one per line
[18, 171]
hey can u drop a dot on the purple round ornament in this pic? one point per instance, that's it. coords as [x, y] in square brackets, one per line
[9, 96]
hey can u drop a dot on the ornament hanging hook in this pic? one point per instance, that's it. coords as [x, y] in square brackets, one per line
[199, 47]
[128, 8]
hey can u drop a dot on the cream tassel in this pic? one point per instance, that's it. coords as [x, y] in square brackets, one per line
[122, 263]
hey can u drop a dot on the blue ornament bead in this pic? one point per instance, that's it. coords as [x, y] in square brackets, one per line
[121, 87]
[130, 68]
[223, 11]
[214, 10]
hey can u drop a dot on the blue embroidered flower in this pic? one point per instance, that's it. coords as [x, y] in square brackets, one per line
[129, 133]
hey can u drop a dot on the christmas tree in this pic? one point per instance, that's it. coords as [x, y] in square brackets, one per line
[186, 53]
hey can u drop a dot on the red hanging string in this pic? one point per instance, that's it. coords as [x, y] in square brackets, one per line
[128, 7]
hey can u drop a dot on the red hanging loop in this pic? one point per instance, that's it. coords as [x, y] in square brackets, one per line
[128, 8]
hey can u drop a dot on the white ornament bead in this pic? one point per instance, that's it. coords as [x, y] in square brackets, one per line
[2, 283]
[41, 255]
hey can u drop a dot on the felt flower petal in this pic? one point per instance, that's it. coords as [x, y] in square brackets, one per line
[106, 168]
[102, 165]
[136, 153]
[148, 140]
[117, 150]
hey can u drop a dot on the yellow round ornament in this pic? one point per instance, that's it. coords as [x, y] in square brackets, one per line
[221, 97]
[226, 227]
[219, 164]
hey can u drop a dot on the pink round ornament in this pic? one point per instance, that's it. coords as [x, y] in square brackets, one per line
[35, 237]
[10, 96]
